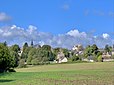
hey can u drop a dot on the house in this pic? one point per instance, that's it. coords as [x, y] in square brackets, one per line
[78, 49]
[107, 57]
[61, 58]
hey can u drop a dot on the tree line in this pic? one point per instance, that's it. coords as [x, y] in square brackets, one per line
[13, 56]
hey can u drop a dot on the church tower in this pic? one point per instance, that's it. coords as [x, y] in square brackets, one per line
[32, 43]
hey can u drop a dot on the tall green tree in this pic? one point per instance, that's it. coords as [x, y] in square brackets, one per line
[24, 54]
[56, 50]
[66, 52]
[25, 46]
[92, 51]
[5, 43]
[25, 51]
[46, 47]
[6, 60]
[40, 55]
[14, 50]
[31, 54]
[32, 43]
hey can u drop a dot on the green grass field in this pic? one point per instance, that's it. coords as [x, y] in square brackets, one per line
[62, 74]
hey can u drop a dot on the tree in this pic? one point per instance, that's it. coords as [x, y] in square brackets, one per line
[75, 58]
[5, 43]
[6, 60]
[40, 55]
[92, 51]
[108, 48]
[15, 58]
[46, 47]
[31, 53]
[25, 51]
[24, 54]
[56, 50]
[14, 49]
[49, 55]
[25, 46]
[66, 52]
[94, 46]
[88, 51]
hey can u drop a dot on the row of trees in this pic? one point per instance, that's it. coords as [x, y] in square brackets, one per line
[13, 56]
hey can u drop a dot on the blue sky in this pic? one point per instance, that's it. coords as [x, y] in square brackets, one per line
[60, 16]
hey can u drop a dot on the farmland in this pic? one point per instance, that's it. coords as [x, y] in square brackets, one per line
[62, 74]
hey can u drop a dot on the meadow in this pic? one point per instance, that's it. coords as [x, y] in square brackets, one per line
[62, 74]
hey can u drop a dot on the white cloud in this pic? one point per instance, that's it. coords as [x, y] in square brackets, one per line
[4, 17]
[13, 27]
[106, 36]
[14, 34]
[76, 33]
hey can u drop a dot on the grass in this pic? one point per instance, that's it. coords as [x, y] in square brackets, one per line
[62, 74]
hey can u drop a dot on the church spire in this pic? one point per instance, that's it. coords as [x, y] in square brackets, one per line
[32, 43]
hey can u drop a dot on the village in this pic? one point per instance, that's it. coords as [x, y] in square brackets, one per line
[78, 50]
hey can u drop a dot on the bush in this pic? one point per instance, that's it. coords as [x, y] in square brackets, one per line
[22, 64]
[100, 59]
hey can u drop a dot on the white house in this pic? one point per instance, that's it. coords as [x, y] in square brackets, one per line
[61, 58]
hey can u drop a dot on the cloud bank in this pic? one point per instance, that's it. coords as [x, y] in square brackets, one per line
[14, 34]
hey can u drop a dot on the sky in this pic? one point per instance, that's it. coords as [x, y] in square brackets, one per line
[60, 23]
